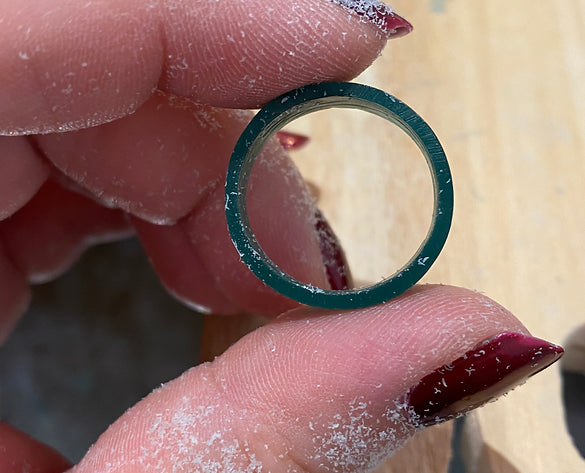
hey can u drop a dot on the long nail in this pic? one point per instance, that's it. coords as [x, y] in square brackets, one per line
[338, 272]
[382, 15]
[480, 376]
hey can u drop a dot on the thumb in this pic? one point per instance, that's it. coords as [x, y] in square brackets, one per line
[323, 391]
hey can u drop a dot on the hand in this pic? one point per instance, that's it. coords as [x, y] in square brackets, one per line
[116, 103]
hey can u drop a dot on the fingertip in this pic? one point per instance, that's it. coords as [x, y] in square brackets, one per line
[166, 166]
[21, 453]
[108, 57]
[23, 173]
[282, 216]
[267, 48]
[344, 379]
[313, 391]
[66, 223]
[179, 266]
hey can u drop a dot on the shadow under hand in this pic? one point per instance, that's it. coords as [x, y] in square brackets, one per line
[92, 344]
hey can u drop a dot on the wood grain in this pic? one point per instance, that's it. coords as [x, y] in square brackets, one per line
[428, 452]
[501, 83]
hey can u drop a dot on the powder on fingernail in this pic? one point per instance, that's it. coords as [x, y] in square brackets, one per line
[373, 10]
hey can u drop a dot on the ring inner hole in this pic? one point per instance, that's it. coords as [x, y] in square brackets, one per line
[369, 179]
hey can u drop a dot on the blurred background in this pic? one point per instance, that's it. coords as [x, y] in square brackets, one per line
[92, 344]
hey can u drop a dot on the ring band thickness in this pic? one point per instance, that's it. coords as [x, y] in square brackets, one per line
[292, 105]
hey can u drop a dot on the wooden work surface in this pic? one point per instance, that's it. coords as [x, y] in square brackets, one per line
[503, 86]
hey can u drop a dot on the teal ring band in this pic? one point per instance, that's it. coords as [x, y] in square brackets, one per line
[295, 104]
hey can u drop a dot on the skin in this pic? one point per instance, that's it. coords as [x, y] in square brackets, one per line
[149, 79]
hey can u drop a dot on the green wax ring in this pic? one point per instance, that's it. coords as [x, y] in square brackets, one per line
[312, 98]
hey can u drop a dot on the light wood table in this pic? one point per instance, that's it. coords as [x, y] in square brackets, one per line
[503, 86]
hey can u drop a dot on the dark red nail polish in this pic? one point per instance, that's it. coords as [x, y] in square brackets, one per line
[383, 16]
[392, 24]
[338, 272]
[290, 140]
[481, 375]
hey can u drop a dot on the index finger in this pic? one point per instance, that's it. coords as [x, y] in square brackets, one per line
[69, 64]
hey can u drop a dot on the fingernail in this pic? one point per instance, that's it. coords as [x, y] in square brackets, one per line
[382, 15]
[290, 140]
[338, 272]
[480, 376]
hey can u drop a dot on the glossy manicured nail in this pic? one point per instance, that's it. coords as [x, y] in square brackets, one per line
[382, 15]
[481, 375]
[338, 272]
[290, 140]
